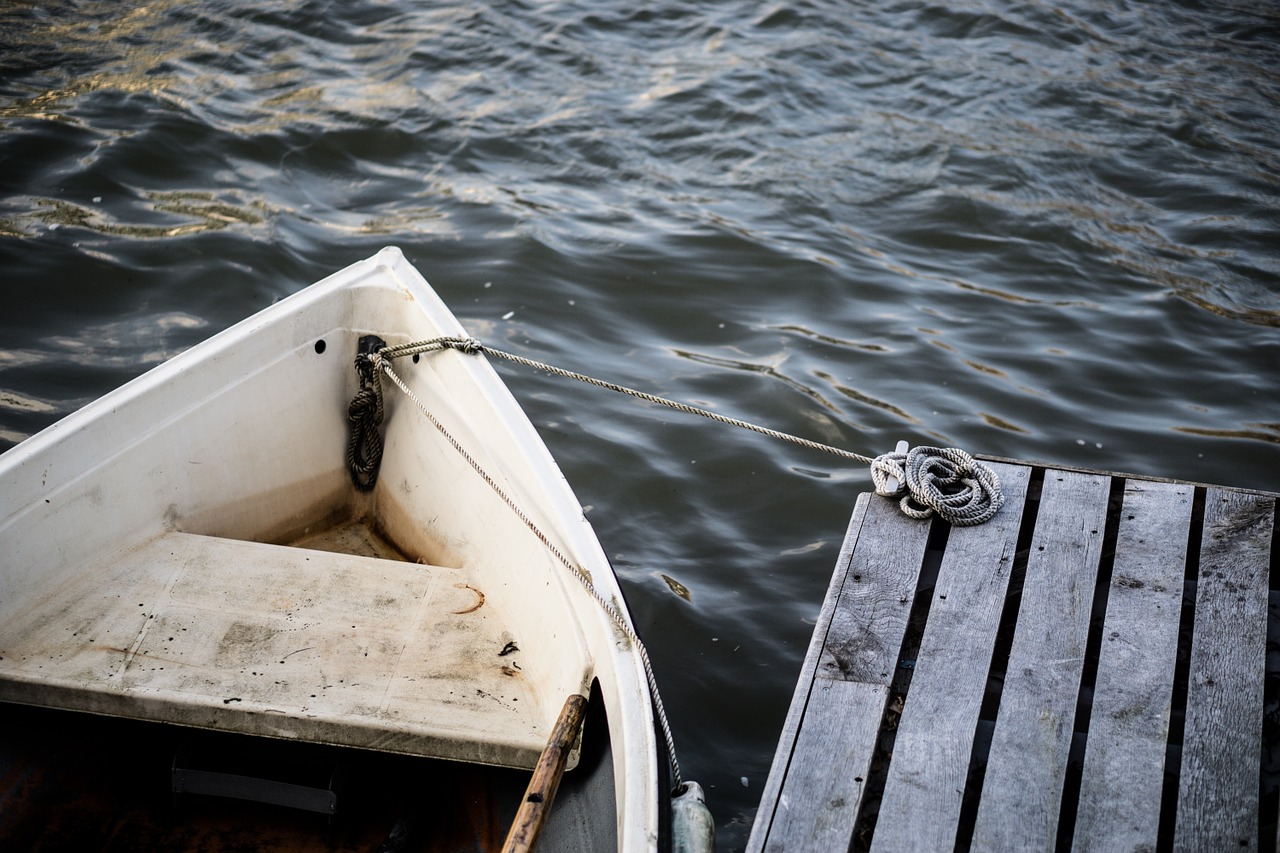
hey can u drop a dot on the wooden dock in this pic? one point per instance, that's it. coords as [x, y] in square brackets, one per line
[1086, 671]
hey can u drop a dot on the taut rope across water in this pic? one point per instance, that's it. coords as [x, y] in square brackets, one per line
[928, 480]
[943, 480]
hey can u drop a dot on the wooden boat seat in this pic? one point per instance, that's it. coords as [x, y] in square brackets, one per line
[281, 641]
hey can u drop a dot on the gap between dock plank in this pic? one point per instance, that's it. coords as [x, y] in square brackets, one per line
[835, 741]
[1218, 794]
[1055, 653]
[1129, 725]
[935, 734]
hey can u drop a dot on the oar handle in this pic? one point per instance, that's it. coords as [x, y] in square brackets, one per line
[536, 805]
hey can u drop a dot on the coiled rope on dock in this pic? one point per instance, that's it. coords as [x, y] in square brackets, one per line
[942, 480]
[945, 481]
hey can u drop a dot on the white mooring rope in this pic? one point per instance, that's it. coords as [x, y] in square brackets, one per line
[584, 578]
[942, 480]
[945, 480]
[929, 480]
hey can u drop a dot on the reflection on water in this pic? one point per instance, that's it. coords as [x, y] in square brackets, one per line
[1031, 230]
[70, 50]
[1259, 432]
[200, 206]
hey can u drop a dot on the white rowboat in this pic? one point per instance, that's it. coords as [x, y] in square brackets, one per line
[190, 550]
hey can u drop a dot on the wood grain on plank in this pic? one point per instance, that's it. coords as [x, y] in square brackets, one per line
[1123, 775]
[827, 775]
[847, 689]
[936, 731]
[1026, 766]
[1218, 788]
[871, 612]
[760, 829]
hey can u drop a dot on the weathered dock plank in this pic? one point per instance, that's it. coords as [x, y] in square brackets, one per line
[871, 613]
[1129, 729]
[1028, 759]
[936, 731]
[1218, 794]
[829, 767]
[771, 798]
[772, 792]
[1036, 718]
[834, 743]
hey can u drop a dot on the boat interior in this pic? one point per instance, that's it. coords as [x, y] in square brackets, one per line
[80, 782]
[189, 553]
[334, 639]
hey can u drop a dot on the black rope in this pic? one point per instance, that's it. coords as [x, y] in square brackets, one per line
[364, 447]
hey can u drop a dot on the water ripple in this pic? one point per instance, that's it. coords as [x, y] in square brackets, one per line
[1037, 230]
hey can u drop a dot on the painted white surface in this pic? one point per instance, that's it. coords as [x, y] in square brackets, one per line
[158, 491]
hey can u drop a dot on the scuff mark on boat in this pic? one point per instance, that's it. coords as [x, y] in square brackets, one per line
[296, 651]
[479, 599]
[483, 694]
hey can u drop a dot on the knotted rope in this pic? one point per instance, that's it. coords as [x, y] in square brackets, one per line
[942, 480]
[364, 446]
[945, 480]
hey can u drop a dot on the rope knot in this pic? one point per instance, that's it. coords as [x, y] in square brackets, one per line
[365, 412]
[469, 345]
[945, 480]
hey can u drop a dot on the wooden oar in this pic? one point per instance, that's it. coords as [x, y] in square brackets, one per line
[534, 810]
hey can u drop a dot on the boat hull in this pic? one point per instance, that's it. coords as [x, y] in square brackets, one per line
[167, 553]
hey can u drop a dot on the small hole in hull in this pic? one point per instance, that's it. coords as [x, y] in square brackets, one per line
[320, 345]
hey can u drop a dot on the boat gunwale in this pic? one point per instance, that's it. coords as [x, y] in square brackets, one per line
[634, 756]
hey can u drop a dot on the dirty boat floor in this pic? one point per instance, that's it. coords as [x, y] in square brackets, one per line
[82, 783]
[1089, 670]
[300, 642]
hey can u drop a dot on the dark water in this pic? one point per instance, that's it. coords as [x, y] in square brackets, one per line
[1035, 230]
